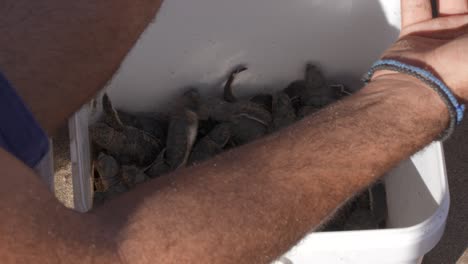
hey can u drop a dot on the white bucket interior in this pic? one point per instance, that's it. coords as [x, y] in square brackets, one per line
[195, 43]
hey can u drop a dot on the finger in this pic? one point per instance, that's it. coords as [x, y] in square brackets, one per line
[452, 7]
[447, 27]
[415, 11]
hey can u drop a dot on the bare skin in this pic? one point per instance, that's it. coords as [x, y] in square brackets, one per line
[58, 54]
[231, 208]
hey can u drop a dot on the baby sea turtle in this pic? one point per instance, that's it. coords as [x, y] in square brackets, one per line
[318, 93]
[159, 167]
[264, 100]
[222, 111]
[132, 175]
[245, 130]
[306, 110]
[182, 130]
[312, 93]
[294, 91]
[205, 127]
[340, 91]
[108, 182]
[212, 144]
[360, 219]
[108, 169]
[283, 111]
[152, 125]
[230, 107]
[249, 120]
[128, 144]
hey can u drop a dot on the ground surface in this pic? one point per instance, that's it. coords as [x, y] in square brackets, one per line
[63, 180]
[454, 245]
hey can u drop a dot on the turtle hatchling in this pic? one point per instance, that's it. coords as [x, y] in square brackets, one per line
[212, 144]
[130, 145]
[151, 124]
[312, 93]
[283, 111]
[230, 107]
[131, 176]
[249, 119]
[108, 182]
[159, 167]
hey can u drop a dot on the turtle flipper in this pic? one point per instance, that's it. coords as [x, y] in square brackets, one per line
[182, 132]
[318, 93]
[111, 117]
[228, 95]
[283, 111]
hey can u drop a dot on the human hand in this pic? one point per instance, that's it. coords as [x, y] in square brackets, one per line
[439, 44]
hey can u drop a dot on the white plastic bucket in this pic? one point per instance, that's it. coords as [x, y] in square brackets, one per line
[196, 42]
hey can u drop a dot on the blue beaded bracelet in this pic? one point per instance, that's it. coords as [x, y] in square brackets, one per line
[456, 110]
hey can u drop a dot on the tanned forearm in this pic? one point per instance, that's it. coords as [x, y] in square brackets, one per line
[58, 54]
[248, 205]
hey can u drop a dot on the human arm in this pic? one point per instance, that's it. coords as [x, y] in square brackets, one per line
[248, 205]
[58, 54]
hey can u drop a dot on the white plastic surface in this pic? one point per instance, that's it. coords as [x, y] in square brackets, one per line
[80, 159]
[196, 42]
